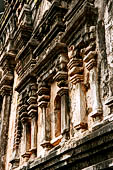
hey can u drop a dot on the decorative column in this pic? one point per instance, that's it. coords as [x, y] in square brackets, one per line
[6, 92]
[33, 113]
[17, 137]
[61, 77]
[75, 72]
[43, 99]
[26, 137]
[90, 57]
[25, 120]
[7, 63]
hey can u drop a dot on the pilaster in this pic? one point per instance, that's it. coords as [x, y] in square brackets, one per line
[76, 77]
[33, 113]
[43, 99]
[26, 132]
[90, 59]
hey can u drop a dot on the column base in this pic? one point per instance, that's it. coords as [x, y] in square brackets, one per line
[96, 113]
[65, 135]
[56, 141]
[80, 126]
[96, 116]
[33, 153]
[46, 144]
[15, 162]
[26, 156]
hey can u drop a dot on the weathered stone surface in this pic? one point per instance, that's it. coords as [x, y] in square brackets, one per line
[56, 85]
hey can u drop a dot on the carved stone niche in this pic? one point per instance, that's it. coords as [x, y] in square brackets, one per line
[61, 78]
[75, 72]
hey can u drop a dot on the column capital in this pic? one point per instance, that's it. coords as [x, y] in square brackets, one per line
[15, 162]
[42, 104]
[32, 100]
[63, 91]
[75, 69]
[43, 90]
[45, 98]
[76, 79]
[90, 60]
[46, 144]
[6, 90]
[24, 118]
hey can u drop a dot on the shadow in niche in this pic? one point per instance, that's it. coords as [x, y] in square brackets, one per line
[57, 112]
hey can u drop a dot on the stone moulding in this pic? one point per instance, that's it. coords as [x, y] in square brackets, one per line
[73, 154]
[56, 49]
[51, 51]
[81, 17]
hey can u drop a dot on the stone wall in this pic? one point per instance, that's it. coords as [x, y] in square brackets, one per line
[56, 79]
